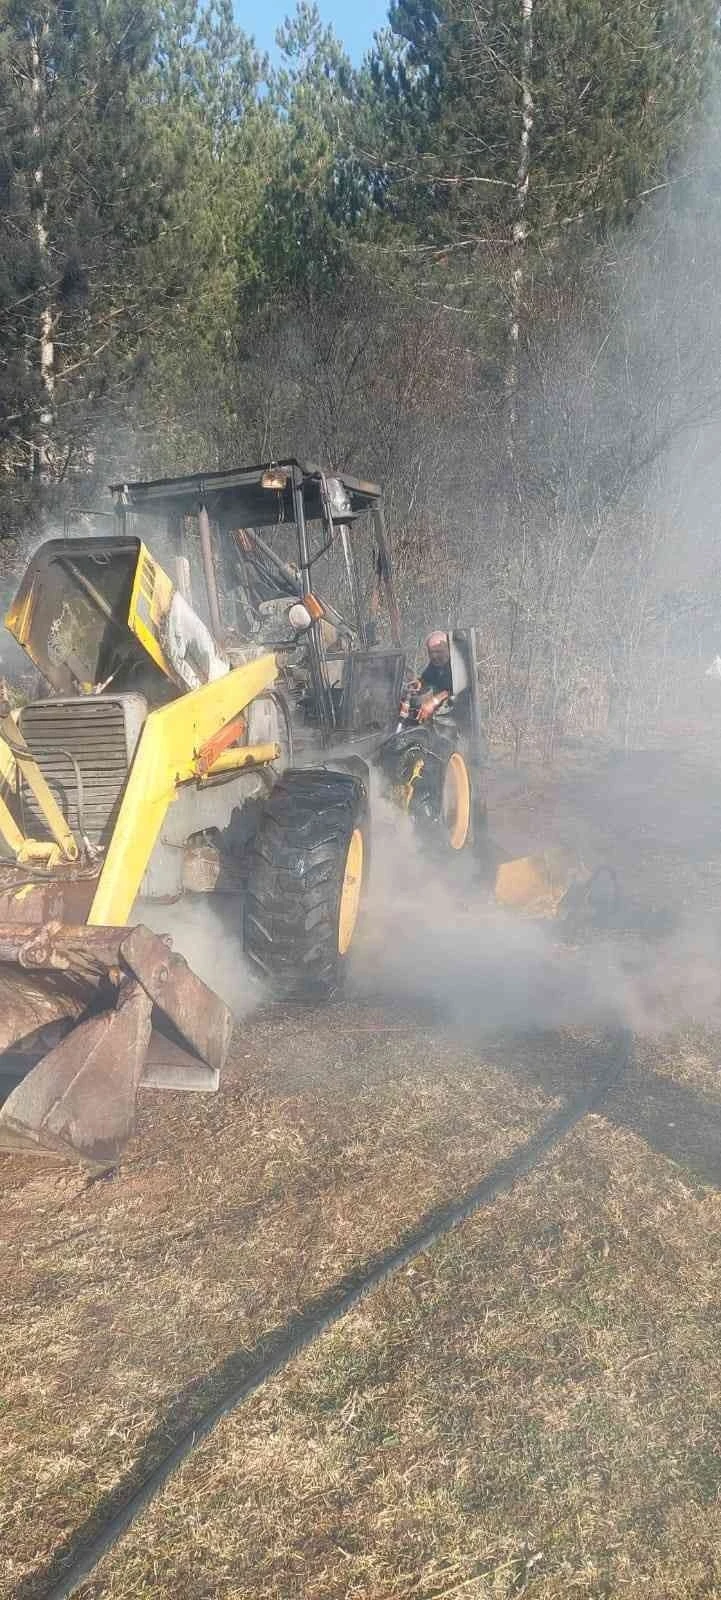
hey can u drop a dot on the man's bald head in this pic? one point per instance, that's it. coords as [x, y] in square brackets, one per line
[438, 648]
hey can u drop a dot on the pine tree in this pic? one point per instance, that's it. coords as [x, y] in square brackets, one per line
[85, 199]
[616, 90]
[315, 194]
[213, 116]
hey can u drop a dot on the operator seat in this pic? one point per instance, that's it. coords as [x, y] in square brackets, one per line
[461, 668]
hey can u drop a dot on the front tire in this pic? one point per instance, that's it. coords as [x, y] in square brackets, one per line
[308, 867]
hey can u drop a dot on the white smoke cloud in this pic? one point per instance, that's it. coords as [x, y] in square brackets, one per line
[434, 939]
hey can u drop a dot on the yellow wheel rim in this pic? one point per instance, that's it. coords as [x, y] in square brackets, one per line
[350, 892]
[457, 801]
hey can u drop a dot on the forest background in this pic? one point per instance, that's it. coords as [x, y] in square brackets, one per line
[479, 267]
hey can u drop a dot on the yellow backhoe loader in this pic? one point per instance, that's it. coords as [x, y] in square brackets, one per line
[206, 734]
[161, 765]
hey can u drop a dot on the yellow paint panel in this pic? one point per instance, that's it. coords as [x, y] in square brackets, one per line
[9, 830]
[169, 744]
[19, 618]
[247, 755]
[7, 764]
[150, 602]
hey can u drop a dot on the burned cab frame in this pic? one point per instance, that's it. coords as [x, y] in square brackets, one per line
[258, 541]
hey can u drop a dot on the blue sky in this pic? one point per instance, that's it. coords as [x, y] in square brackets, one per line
[354, 21]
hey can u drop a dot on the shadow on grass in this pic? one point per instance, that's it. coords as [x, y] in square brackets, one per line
[195, 1411]
[672, 1118]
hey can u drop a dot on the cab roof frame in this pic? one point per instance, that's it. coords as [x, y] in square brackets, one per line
[237, 496]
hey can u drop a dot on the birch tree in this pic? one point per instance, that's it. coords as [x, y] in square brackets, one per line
[520, 225]
[86, 199]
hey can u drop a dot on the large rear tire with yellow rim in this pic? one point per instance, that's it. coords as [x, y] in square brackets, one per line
[456, 802]
[464, 813]
[307, 872]
[448, 804]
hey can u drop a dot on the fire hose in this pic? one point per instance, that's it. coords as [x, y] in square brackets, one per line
[80, 1556]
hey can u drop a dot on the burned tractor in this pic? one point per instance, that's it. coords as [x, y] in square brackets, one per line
[433, 761]
[224, 669]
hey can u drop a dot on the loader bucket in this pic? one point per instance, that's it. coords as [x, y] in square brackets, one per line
[90, 1015]
[538, 884]
[35, 1014]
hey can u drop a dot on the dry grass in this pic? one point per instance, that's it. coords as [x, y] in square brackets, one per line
[533, 1408]
[227, 1216]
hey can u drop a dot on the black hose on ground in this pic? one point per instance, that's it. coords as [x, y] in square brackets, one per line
[302, 1330]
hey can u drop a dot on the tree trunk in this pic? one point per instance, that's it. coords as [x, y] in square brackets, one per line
[42, 451]
[520, 226]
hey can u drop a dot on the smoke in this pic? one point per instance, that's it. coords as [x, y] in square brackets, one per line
[209, 939]
[598, 613]
[435, 942]
[432, 941]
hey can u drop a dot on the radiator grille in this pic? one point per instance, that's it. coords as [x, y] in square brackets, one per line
[100, 733]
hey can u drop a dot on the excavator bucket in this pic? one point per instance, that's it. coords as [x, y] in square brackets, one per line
[90, 1015]
[538, 884]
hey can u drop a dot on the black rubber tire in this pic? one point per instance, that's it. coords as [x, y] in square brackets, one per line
[296, 867]
[427, 813]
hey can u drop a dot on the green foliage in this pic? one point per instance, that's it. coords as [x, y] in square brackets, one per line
[615, 93]
[315, 196]
[171, 206]
[87, 199]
